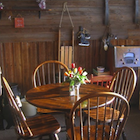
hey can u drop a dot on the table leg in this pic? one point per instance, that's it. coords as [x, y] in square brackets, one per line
[67, 120]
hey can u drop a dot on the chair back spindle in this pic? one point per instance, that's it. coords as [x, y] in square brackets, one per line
[48, 72]
[19, 118]
[124, 82]
[95, 130]
[102, 80]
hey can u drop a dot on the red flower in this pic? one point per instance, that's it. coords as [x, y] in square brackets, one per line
[71, 75]
[80, 70]
[73, 65]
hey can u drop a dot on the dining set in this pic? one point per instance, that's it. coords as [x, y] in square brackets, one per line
[98, 112]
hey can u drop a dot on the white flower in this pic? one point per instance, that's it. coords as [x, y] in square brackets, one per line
[84, 73]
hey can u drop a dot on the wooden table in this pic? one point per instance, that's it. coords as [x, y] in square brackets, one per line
[56, 96]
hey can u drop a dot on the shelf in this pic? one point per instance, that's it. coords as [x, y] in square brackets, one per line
[25, 9]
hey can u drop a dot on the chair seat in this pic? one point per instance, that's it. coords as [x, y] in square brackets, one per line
[41, 125]
[92, 134]
[101, 112]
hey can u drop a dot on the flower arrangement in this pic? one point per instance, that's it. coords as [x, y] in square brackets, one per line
[76, 76]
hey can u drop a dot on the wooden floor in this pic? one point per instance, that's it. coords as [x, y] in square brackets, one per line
[132, 128]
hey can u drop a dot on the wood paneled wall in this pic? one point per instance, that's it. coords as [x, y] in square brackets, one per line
[21, 50]
[18, 60]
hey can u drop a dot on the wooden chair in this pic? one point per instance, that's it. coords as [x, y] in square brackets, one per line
[48, 72]
[37, 126]
[123, 83]
[95, 130]
[1, 103]
[103, 80]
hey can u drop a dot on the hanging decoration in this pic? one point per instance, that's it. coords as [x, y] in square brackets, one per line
[19, 21]
[83, 37]
[105, 44]
[107, 37]
[70, 57]
[1, 6]
[42, 4]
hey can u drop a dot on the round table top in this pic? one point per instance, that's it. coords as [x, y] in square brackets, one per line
[57, 96]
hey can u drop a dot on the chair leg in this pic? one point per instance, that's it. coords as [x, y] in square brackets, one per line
[67, 122]
[67, 137]
[124, 135]
[84, 120]
[54, 137]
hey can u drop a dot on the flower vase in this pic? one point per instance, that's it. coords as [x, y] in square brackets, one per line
[72, 91]
[77, 87]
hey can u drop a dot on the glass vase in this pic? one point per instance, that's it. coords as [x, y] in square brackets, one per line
[77, 87]
[72, 91]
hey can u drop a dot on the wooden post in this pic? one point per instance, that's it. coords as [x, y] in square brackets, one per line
[72, 45]
[136, 11]
[106, 12]
[0, 82]
[138, 84]
[59, 43]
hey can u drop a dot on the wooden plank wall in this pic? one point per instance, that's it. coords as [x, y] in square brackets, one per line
[19, 59]
[87, 13]
[21, 50]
